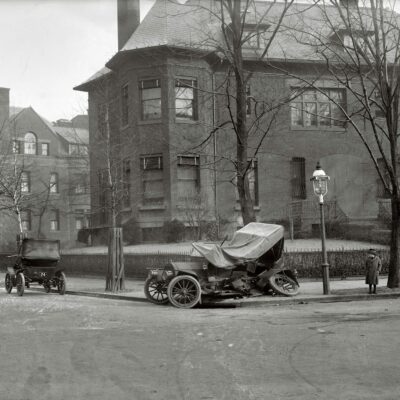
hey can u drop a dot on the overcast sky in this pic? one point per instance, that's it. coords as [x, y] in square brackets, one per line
[49, 46]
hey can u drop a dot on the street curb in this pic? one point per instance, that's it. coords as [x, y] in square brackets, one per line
[319, 299]
[98, 295]
[254, 303]
[107, 296]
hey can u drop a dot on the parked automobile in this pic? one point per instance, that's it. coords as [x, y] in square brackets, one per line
[36, 262]
[249, 265]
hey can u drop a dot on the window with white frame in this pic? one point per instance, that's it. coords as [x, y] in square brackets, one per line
[251, 38]
[186, 98]
[53, 182]
[188, 177]
[102, 119]
[318, 108]
[26, 220]
[298, 167]
[248, 100]
[152, 179]
[102, 196]
[253, 181]
[359, 41]
[75, 149]
[382, 191]
[25, 182]
[81, 219]
[15, 147]
[150, 99]
[124, 105]
[378, 105]
[45, 149]
[30, 143]
[126, 182]
[54, 220]
[252, 176]
[80, 184]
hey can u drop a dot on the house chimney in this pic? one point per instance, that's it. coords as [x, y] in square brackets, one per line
[4, 107]
[128, 20]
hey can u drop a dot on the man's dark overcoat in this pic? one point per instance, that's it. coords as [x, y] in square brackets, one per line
[373, 268]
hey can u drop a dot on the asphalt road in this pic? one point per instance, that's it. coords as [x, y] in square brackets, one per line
[68, 347]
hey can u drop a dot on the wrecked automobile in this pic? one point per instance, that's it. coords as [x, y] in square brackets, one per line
[249, 265]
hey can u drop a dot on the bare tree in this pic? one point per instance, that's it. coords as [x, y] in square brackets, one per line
[359, 48]
[241, 33]
[110, 189]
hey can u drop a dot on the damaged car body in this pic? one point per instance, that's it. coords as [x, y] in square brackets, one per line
[249, 265]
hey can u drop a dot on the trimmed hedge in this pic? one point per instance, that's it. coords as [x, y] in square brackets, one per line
[342, 263]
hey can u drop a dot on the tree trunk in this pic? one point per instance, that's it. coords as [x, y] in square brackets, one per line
[115, 279]
[242, 167]
[393, 278]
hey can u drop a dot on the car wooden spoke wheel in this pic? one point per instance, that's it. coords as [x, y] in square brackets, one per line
[184, 291]
[8, 283]
[156, 291]
[61, 283]
[20, 284]
[284, 285]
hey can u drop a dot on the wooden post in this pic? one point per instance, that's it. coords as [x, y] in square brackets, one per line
[115, 279]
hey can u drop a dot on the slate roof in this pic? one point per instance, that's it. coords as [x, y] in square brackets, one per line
[195, 25]
[72, 134]
[69, 133]
[100, 73]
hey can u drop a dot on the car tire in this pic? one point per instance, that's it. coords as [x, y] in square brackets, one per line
[20, 284]
[184, 291]
[8, 283]
[61, 283]
[156, 291]
[283, 284]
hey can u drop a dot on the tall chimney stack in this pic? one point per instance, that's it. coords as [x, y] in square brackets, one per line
[4, 108]
[128, 20]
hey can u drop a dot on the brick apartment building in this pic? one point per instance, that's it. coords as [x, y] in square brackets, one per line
[54, 177]
[165, 94]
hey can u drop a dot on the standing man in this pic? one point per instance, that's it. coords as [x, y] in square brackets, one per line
[373, 267]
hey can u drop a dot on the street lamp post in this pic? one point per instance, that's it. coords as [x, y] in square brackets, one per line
[320, 185]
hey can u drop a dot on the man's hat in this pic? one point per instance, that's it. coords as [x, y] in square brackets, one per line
[372, 251]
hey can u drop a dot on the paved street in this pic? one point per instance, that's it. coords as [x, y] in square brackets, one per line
[70, 347]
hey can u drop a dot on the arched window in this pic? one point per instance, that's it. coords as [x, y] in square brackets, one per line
[30, 143]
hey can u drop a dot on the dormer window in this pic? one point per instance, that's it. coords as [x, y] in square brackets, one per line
[378, 105]
[76, 149]
[30, 143]
[354, 40]
[252, 34]
[251, 38]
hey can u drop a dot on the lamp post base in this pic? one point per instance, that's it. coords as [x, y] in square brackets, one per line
[325, 278]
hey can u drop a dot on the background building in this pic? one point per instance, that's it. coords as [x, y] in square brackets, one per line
[51, 164]
[162, 95]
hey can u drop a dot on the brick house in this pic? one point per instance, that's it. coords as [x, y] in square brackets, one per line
[53, 159]
[166, 88]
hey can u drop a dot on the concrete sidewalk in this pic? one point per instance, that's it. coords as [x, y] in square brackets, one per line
[350, 289]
